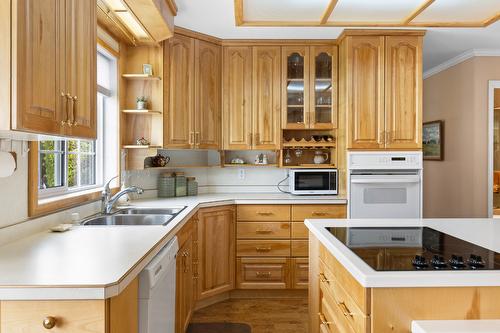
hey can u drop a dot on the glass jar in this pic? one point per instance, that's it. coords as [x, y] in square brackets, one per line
[192, 186]
[180, 184]
[166, 185]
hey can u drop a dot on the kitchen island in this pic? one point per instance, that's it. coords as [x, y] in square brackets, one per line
[365, 276]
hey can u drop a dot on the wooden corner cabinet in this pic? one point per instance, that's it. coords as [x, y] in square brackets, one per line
[382, 88]
[309, 87]
[52, 55]
[192, 94]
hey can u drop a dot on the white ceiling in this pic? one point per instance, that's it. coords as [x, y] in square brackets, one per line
[216, 18]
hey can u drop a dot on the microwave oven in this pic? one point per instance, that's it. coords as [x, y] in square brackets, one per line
[313, 181]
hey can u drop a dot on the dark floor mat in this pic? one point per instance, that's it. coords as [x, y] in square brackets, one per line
[218, 328]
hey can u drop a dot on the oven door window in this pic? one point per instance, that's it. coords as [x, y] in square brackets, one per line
[312, 181]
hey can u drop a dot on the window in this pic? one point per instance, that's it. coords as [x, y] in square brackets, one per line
[73, 166]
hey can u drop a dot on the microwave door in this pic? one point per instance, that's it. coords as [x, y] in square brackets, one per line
[309, 182]
[385, 196]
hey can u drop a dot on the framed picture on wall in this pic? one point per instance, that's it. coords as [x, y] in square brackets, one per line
[432, 138]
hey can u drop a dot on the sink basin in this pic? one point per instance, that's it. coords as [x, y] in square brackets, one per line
[119, 219]
[149, 211]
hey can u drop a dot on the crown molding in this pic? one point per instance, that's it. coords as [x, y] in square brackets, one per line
[461, 58]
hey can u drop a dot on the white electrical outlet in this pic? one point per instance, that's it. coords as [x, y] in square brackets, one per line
[241, 174]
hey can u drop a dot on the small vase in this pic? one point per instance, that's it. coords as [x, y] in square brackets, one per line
[141, 105]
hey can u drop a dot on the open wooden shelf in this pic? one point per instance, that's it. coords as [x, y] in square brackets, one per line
[310, 166]
[171, 167]
[140, 77]
[145, 111]
[235, 165]
[295, 106]
[141, 146]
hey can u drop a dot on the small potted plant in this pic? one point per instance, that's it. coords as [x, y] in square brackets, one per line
[141, 103]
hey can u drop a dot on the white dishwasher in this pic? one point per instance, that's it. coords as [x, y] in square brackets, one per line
[157, 292]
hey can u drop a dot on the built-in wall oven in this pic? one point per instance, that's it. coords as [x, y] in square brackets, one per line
[385, 184]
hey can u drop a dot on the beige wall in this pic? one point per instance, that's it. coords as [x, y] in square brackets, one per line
[457, 186]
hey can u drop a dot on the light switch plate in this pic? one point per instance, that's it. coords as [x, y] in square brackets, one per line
[241, 174]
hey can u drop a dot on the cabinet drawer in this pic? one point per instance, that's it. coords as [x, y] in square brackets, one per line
[69, 316]
[300, 273]
[358, 293]
[264, 213]
[263, 230]
[299, 230]
[302, 212]
[334, 314]
[358, 320]
[263, 248]
[300, 248]
[262, 273]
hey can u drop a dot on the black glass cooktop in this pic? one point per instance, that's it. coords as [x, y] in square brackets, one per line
[413, 248]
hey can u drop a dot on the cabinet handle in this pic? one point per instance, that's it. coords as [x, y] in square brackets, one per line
[322, 319]
[197, 138]
[323, 278]
[257, 138]
[49, 322]
[345, 310]
[263, 275]
[191, 138]
[262, 249]
[319, 214]
[75, 99]
[381, 137]
[250, 139]
[263, 231]
[65, 100]
[264, 213]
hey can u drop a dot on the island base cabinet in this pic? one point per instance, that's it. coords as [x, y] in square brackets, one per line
[115, 315]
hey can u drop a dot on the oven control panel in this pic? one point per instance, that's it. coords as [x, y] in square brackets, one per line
[385, 160]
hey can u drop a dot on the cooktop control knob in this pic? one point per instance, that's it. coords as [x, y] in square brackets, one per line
[457, 262]
[438, 262]
[419, 262]
[475, 262]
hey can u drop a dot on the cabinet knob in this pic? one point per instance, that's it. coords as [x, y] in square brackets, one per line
[49, 322]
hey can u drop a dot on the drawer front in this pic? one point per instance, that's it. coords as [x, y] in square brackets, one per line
[299, 230]
[263, 230]
[262, 273]
[263, 248]
[300, 273]
[300, 248]
[358, 293]
[358, 320]
[302, 212]
[68, 316]
[333, 314]
[264, 213]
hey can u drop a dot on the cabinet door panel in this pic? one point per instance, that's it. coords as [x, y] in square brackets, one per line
[207, 95]
[184, 284]
[365, 87]
[266, 97]
[216, 253]
[81, 69]
[324, 86]
[180, 132]
[40, 66]
[403, 92]
[237, 107]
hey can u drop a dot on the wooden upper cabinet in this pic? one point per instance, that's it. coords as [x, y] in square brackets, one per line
[295, 90]
[266, 97]
[216, 251]
[207, 95]
[54, 67]
[82, 68]
[237, 98]
[365, 92]
[403, 92]
[323, 88]
[40, 67]
[179, 132]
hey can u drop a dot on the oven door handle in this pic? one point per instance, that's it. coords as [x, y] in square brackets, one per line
[386, 181]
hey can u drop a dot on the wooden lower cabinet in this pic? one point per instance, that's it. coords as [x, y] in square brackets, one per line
[300, 273]
[263, 273]
[184, 281]
[118, 314]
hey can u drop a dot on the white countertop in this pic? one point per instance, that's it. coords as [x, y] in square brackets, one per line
[482, 232]
[96, 262]
[455, 326]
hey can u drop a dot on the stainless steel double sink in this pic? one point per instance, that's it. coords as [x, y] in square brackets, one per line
[135, 216]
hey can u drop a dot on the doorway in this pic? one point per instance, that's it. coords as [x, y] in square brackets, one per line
[494, 149]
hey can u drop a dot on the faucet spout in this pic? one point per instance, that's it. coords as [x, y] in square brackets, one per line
[109, 204]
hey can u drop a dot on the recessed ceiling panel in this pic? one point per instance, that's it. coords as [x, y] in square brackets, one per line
[452, 11]
[284, 10]
[379, 11]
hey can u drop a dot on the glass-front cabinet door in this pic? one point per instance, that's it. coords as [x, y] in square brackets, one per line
[295, 94]
[323, 101]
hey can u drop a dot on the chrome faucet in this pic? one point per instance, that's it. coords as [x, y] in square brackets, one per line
[108, 201]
